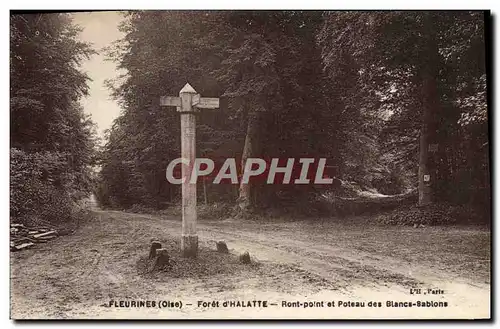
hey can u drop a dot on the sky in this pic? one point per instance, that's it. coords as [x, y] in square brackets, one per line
[100, 29]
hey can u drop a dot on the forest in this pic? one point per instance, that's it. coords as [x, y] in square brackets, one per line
[52, 141]
[387, 97]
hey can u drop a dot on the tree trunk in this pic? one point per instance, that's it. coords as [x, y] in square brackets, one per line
[205, 197]
[426, 169]
[245, 199]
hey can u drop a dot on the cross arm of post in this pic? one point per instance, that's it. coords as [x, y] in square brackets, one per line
[196, 101]
[170, 101]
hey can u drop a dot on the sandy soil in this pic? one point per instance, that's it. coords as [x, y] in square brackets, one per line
[323, 261]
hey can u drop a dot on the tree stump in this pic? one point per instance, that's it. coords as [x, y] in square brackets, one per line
[222, 247]
[162, 259]
[155, 245]
[245, 258]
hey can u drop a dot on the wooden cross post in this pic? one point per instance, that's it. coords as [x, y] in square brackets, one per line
[188, 104]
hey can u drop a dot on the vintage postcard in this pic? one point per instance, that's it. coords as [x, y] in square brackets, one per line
[250, 165]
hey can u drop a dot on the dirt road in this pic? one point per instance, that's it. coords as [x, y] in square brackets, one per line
[318, 261]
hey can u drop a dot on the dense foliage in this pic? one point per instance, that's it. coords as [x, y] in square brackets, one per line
[358, 88]
[417, 60]
[52, 140]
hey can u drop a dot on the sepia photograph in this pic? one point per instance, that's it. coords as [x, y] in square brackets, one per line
[250, 165]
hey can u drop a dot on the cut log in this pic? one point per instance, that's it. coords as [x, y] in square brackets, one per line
[245, 258]
[45, 238]
[222, 247]
[16, 225]
[155, 245]
[23, 246]
[22, 239]
[33, 232]
[162, 259]
[36, 236]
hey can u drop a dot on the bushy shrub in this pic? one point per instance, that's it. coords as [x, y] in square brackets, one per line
[434, 214]
[216, 210]
[140, 209]
[41, 188]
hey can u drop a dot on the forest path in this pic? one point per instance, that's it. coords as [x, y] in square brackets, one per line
[315, 260]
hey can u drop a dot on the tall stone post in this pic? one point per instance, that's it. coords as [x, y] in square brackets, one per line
[189, 240]
[188, 104]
